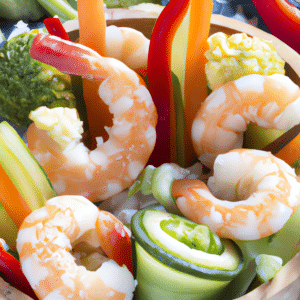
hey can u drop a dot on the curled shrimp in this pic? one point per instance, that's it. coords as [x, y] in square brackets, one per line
[60, 247]
[251, 195]
[128, 45]
[269, 101]
[55, 137]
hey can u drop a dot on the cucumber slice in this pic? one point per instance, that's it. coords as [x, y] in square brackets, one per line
[146, 227]
[8, 229]
[172, 252]
[23, 169]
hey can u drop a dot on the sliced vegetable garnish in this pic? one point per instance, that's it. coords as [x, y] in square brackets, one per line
[55, 27]
[159, 182]
[195, 236]
[60, 8]
[195, 91]
[177, 109]
[284, 243]
[24, 184]
[175, 255]
[160, 79]
[92, 32]
[282, 19]
[10, 267]
[267, 266]
[286, 146]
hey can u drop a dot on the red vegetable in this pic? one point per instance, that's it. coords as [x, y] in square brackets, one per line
[55, 27]
[10, 267]
[282, 19]
[160, 80]
[116, 243]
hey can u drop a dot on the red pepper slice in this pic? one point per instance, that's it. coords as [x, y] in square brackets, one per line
[160, 79]
[282, 19]
[10, 267]
[55, 27]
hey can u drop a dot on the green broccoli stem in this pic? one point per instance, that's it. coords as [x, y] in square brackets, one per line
[59, 8]
[284, 243]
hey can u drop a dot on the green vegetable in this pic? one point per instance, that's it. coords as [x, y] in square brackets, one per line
[25, 173]
[127, 3]
[27, 84]
[2, 37]
[267, 266]
[284, 244]
[60, 8]
[179, 259]
[21, 10]
[159, 181]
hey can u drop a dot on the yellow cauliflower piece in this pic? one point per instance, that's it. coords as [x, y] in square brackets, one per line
[62, 123]
[231, 57]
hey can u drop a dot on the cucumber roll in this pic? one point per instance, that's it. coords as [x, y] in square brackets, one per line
[179, 259]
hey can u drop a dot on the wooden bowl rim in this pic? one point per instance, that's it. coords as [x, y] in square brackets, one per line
[289, 55]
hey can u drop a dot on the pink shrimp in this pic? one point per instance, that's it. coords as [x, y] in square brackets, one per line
[55, 137]
[61, 252]
[269, 101]
[261, 193]
[128, 45]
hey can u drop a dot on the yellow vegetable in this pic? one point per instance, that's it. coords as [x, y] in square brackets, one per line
[231, 57]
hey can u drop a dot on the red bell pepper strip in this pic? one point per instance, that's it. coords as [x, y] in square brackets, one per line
[10, 267]
[55, 27]
[282, 19]
[160, 80]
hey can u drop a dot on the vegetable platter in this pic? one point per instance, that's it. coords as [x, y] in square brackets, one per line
[145, 242]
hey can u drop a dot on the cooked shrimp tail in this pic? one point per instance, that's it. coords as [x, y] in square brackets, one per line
[55, 138]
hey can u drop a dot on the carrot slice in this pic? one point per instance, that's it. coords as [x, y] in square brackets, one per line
[92, 32]
[290, 153]
[195, 90]
[11, 199]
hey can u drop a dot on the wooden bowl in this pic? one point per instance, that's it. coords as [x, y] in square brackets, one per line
[145, 22]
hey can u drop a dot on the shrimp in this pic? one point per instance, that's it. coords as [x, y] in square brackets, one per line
[251, 195]
[55, 137]
[269, 101]
[60, 247]
[128, 45]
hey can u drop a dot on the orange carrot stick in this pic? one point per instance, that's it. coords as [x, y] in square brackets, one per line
[290, 153]
[195, 90]
[92, 25]
[92, 31]
[11, 199]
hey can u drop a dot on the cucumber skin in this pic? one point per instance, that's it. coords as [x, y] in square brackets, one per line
[158, 281]
[8, 229]
[176, 263]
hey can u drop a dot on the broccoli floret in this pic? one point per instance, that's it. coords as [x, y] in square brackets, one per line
[26, 84]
